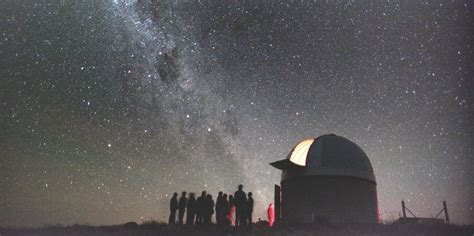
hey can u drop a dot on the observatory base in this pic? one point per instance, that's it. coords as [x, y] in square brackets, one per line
[329, 199]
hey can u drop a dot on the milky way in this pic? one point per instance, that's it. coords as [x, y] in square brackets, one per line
[108, 107]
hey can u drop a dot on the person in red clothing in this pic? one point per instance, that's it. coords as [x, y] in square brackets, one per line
[271, 215]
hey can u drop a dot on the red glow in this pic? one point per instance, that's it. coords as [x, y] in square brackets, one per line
[231, 214]
[271, 215]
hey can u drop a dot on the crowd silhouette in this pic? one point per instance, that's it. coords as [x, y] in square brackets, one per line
[229, 210]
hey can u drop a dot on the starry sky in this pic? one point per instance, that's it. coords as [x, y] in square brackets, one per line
[108, 107]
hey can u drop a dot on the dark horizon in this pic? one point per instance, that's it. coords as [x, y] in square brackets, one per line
[108, 107]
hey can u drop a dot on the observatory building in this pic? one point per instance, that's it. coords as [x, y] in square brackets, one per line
[328, 179]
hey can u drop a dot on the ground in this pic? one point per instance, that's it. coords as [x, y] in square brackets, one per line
[163, 229]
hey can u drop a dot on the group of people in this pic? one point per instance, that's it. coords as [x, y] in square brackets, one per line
[230, 210]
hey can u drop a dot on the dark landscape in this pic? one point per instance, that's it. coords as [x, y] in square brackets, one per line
[153, 228]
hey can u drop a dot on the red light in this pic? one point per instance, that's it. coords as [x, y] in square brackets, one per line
[271, 215]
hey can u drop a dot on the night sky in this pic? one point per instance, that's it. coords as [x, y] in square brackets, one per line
[108, 107]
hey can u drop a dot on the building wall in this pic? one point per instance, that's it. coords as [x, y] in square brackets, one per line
[331, 199]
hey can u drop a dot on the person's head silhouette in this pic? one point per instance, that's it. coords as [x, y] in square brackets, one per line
[241, 186]
[183, 194]
[220, 194]
[249, 194]
[203, 194]
[175, 194]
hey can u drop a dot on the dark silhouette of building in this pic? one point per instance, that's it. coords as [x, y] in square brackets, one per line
[327, 179]
[173, 208]
[249, 208]
[190, 209]
[182, 207]
[201, 208]
[240, 201]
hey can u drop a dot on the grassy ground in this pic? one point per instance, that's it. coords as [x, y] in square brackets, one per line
[163, 229]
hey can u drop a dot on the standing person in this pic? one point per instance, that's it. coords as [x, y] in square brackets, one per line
[182, 207]
[240, 199]
[219, 208]
[231, 214]
[190, 209]
[200, 205]
[249, 207]
[224, 212]
[271, 215]
[209, 209]
[173, 208]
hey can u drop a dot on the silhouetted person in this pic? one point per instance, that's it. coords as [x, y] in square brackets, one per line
[173, 208]
[231, 214]
[249, 207]
[219, 205]
[209, 209]
[224, 211]
[200, 207]
[240, 200]
[182, 207]
[190, 209]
